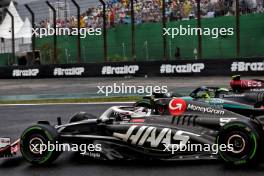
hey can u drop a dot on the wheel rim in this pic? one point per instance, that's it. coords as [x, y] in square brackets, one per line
[238, 143]
[35, 145]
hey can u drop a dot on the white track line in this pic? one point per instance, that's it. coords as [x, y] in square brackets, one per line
[46, 104]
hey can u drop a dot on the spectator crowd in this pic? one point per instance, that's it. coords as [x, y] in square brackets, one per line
[118, 11]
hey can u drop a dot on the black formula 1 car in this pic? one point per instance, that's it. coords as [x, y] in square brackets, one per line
[194, 130]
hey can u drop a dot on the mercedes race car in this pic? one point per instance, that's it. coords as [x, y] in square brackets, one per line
[193, 130]
[248, 103]
[244, 98]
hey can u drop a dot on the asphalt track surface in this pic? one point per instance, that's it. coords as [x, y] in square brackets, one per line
[15, 89]
[14, 119]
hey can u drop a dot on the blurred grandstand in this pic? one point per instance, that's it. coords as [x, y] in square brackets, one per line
[148, 30]
[118, 11]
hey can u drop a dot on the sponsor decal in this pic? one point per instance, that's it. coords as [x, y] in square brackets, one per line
[224, 121]
[143, 135]
[215, 101]
[233, 96]
[247, 66]
[205, 109]
[250, 83]
[257, 90]
[4, 142]
[253, 83]
[186, 68]
[177, 106]
[25, 73]
[74, 71]
[126, 69]
[93, 154]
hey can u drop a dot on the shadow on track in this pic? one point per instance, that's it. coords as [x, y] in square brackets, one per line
[11, 162]
[76, 159]
[71, 163]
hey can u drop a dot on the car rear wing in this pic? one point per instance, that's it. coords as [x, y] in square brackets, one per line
[8, 149]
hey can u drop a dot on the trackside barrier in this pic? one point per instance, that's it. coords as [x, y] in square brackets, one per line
[227, 67]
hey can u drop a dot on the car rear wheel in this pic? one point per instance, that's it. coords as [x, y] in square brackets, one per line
[34, 142]
[243, 142]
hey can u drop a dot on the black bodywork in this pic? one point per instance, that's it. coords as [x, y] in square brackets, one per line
[126, 135]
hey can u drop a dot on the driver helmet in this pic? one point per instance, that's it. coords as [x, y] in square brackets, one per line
[206, 95]
[140, 112]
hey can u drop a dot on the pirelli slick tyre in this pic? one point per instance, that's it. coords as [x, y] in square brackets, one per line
[82, 116]
[245, 139]
[31, 141]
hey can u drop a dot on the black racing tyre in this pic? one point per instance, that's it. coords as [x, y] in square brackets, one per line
[30, 142]
[82, 116]
[246, 141]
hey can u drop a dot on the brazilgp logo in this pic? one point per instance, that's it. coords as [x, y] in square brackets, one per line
[127, 69]
[75, 71]
[28, 72]
[247, 66]
[177, 106]
[187, 68]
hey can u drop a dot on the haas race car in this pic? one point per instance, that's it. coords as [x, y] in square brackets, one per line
[135, 133]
